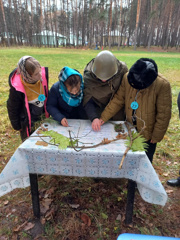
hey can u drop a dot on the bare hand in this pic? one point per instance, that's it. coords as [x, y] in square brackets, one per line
[96, 124]
[152, 141]
[64, 122]
[101, 121]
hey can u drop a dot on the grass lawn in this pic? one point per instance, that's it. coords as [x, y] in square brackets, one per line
[102, 201]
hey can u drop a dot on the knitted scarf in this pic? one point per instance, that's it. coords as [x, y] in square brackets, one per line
[63, 75]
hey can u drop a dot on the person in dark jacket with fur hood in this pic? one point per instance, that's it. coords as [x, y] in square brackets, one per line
[65, 97]
[146, 95]
[28, 95]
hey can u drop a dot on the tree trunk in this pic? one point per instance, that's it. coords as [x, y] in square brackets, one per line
[32, 23]
[56, 43]
[11, 24]
[110, 24]
[120, 26]
[130, 21]
[90, 26]
[169, 23]
[151, 23]
[137, 23]
[5, 25]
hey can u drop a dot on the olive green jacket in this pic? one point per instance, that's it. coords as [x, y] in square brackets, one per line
[154, 107]
[101, 92]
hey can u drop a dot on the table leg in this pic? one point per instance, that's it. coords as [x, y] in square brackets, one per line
[130, 201]
[35, 194]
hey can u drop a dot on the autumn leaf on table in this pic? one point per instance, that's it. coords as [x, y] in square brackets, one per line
[42, 143]
[121, 136]
[106, 141]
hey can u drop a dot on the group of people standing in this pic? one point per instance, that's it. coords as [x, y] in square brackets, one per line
[107, 90]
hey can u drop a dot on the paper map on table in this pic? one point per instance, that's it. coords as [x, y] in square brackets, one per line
[85, 133]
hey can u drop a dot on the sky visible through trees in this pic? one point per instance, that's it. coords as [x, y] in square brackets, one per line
[90, 22]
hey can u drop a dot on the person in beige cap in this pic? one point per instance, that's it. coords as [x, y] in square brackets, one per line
[102, 78]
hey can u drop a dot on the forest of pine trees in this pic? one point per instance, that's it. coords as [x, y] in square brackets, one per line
[90, 22]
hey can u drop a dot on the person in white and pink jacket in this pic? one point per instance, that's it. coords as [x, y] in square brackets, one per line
[27, 95]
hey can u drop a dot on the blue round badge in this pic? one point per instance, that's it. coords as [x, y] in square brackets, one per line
[134, 105]
[41, 97]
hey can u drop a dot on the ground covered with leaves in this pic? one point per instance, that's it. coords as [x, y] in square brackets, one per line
[88, 209]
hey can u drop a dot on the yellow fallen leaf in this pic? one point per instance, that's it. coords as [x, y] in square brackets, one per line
[41, 143]
[166, 137]
[165, 174]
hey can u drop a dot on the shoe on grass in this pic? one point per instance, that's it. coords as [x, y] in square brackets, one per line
[174, 182]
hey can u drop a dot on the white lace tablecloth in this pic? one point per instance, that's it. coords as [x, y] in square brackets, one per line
[102, 161]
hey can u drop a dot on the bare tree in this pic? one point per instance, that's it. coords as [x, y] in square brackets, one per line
[148, 22]
[169, 24]
[11, 23]
[56, 43]
[120, 25]
[131, 20]
[152, 22]
[32, 17]
[137, 23]
[4, 19]
[110, 24]
[175, 26]
[84, 23]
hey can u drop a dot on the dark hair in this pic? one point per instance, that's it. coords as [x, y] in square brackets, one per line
[31, 64]
[73, 81]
